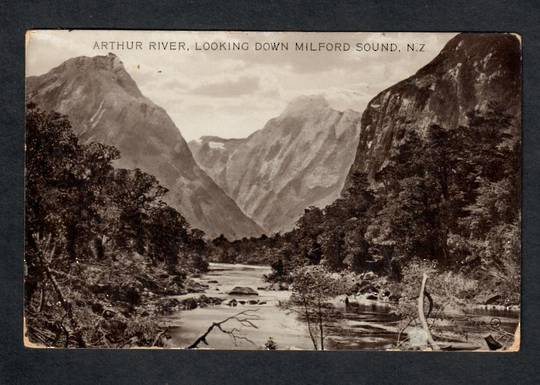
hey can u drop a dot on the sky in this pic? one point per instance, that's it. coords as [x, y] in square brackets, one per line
[231, 92]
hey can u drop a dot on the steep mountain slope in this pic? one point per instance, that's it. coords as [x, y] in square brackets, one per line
[473, 72]
[299, 159]
[105, 105]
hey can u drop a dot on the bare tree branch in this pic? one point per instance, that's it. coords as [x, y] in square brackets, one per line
[158, 337]
[421, 316]
[244, 318]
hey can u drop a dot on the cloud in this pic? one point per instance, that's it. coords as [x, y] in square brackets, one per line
[233, 93]
[175, 84]
[228, 88]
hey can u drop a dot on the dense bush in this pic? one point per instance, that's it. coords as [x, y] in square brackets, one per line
[451, 196]
[98, 240]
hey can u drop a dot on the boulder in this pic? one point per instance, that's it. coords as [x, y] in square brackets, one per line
[168, 306]
[189, 304]
[372, 296]
[205, 300]
[253, 302]
[493, 299]
[243, 290]
[231, 302]
[195, 287]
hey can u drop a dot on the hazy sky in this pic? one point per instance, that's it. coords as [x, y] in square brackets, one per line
[231, 93]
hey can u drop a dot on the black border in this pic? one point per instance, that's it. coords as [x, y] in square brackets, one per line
[39, 366]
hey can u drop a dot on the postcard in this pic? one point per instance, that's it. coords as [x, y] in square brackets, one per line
[273, 190]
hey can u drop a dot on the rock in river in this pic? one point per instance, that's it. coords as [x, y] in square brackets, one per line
[243, 290]
[231, 302]
[189, 304]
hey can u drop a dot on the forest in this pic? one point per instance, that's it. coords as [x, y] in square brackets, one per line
[103, 249]
[448, 199]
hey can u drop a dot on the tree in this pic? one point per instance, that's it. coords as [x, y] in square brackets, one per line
[401, 223]
[167, 233]
[135, 194]
[356, 245]
[197, 250]
[76, 201]
[309, 227]
[313, 287]
[333, 248]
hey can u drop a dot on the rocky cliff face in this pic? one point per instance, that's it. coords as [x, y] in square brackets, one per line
[299, 159]
[474, 72]
[105, 105]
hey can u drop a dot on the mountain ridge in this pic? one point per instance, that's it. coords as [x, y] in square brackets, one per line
[298, 159]
[473, 72]
[105, 105]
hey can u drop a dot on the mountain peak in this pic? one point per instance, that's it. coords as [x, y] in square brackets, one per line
[474, 72]
[297, 160]
[105, 69]
[304, 103]
[485, 51]
[104, 105]
[104, 62]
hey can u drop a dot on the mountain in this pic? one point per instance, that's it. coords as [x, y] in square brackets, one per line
[473, 72]
[298, 159]
[105, 105]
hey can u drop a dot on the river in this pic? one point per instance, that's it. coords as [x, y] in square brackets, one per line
[365, 327]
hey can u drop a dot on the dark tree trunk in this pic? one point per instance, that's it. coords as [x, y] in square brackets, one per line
[71, 242]
[99, 249]
[139, 241]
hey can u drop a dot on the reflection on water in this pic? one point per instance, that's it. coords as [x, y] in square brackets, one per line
[359, 327]
[283, 327]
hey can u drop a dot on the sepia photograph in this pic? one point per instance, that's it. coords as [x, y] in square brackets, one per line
[273, 190]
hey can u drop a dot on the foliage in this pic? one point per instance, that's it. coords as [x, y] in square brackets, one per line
[446, 292]
[313, 287]
[98, 239]
[449, 195]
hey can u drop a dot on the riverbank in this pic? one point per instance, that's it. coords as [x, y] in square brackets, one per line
[357, 324]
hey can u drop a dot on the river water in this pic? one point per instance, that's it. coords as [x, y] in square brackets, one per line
[366, 326]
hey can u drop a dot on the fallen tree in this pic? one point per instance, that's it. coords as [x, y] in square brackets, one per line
[245, 318]
[421, 315]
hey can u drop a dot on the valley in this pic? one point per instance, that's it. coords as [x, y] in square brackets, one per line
[398, 227]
